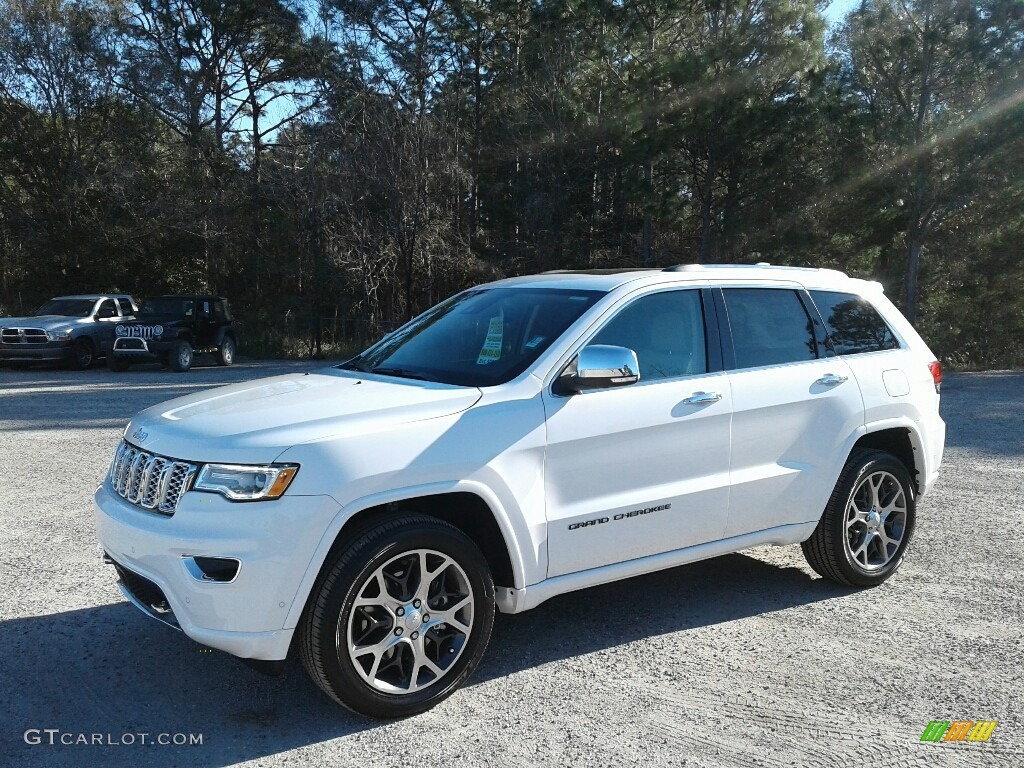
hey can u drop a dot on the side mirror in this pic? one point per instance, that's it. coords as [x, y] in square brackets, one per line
[600, 366]
[104, 313]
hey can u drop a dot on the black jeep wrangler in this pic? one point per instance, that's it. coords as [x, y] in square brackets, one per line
[173, 329]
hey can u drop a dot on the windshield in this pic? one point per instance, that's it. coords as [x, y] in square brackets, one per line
[479, 338]
[167, 305]
[67, 307]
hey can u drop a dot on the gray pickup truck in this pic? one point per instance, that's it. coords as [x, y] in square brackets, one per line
[68, 329]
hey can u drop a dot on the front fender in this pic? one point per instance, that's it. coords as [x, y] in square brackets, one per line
[509, 532]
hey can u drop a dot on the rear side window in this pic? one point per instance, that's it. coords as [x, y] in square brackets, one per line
[769, 327]
[853, 324]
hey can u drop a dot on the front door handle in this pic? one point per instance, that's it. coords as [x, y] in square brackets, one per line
[831, 379]
[702, 398]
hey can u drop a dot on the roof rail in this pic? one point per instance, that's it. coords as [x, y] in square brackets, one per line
[759, 265]
[699, 267]
[606, 271]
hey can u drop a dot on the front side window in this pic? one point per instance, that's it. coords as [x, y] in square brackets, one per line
[478, 338]
[666, 330]
[769, 327]
[854, 326]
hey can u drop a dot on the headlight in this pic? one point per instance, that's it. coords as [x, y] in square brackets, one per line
[62, 335]
[244, 483]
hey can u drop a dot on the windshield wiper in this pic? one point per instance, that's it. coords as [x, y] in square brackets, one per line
[403, 373]
[355, 364]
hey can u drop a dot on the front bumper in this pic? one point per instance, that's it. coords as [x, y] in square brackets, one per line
[274, 542]
[49, 351]
[142, 349]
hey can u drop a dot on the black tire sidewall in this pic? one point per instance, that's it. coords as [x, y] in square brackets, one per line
[874, 462]
[354, 568]
[226, 354]
[176, 355]
[78, 348]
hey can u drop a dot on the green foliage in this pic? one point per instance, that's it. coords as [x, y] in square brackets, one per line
[335, 168]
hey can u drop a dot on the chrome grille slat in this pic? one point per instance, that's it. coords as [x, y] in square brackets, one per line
[151, 485]
[149, 480]
[23, 336]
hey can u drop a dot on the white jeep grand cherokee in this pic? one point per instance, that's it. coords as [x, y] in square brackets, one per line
[521, 440]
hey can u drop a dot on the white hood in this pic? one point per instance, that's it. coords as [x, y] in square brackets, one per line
[256, 421]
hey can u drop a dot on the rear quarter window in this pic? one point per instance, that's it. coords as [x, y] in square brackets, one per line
[854, 326]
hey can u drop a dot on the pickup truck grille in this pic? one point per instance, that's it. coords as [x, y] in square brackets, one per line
[23, 336]
[150, 481]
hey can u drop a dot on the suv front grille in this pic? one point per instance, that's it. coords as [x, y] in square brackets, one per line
[23, 336]
[149, 481]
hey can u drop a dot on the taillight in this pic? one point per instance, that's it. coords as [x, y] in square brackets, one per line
[935, 367]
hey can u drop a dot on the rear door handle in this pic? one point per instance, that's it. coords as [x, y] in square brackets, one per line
[702, 398]
[831, 379]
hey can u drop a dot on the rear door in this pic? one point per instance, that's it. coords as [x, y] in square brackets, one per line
[794, 403]
[206, 328]
[642, 469]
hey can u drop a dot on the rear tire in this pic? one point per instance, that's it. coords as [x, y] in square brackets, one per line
[400, 618]
[226, 353]
[180, 358]
[864, 531]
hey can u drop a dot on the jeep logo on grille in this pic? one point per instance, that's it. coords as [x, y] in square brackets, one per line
[139, 331]
[140, 435]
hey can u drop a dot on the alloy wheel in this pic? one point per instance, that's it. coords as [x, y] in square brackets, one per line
[876, 519]
[410, 622]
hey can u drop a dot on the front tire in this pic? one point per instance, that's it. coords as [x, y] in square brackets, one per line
[863, 534]
[180, 358]
[400, 618]
[83, 354]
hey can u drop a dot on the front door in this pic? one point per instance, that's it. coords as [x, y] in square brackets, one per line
[641, 469]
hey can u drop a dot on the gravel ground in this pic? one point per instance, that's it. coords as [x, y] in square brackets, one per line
[746, 660]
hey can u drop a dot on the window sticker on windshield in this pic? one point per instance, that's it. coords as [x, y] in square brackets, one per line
[532, 343]
[491, 349]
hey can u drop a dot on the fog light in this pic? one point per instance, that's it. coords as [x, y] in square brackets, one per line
[220, 569]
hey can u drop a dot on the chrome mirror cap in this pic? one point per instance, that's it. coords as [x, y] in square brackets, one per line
[600, 366]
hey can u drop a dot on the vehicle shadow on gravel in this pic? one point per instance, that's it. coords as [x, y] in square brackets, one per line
[111, 671]
[688, 597]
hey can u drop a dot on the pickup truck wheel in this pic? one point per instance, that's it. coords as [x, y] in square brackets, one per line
[83, 353]
[180, 358]
[866, 527]
[400, 619]
[226, 353]
[119, 364]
